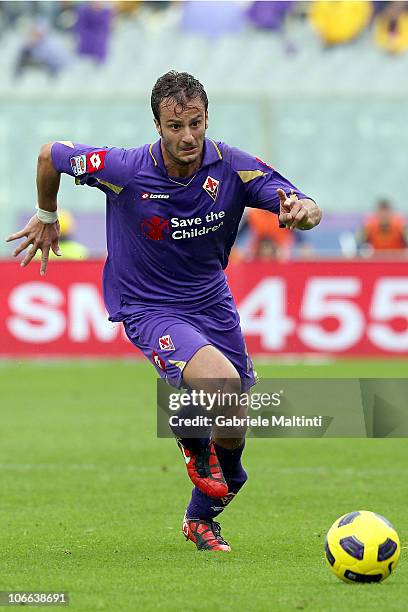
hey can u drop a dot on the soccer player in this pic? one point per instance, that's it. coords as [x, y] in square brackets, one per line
[173, 209]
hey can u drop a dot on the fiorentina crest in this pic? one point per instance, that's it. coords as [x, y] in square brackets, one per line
[166, 343]
[211, 187]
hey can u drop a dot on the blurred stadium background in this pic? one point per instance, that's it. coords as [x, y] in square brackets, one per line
[317, 89]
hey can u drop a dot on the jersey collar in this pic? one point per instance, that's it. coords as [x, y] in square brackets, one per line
[212, 154]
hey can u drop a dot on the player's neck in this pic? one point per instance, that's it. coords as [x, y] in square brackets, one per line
[175, 169]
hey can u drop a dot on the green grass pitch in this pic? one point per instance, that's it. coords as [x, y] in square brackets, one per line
[92, 501]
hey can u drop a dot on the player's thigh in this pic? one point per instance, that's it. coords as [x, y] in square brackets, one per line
[209, 363]
[221, 326]
[211, 371]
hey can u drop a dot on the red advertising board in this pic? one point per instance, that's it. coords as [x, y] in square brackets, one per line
[330, 307]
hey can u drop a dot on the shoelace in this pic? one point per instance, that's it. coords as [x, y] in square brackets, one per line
[216, 528]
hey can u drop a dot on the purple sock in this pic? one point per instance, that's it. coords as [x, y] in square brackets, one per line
[195, 444]
[204, 507]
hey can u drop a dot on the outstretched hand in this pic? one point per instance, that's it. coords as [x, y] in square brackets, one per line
[43, 236]
[292, 211]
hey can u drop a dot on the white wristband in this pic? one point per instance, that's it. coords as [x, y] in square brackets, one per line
[46, 216]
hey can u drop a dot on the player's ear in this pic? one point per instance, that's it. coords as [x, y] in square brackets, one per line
[158, 128]
[206, 120]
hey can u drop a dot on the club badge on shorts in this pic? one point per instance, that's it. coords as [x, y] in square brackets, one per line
[211, 186]
[166, 343]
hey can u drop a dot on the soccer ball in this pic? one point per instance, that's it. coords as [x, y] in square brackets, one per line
[362, 546]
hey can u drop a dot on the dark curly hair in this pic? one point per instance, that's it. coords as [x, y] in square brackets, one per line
[181, 87]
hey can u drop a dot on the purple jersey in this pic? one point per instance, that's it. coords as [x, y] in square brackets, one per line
[169, 238]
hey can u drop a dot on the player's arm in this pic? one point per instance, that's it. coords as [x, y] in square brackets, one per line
[108, 168]
[42, 230]
[300, 213]
[267, 189]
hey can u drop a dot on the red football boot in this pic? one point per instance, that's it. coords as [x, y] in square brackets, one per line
[205, 471]
[206, 535]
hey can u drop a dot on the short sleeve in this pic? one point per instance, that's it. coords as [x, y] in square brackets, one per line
[109, 168]
[260, 180]
[263, 191]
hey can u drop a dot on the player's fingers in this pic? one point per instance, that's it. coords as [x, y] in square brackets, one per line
[301, 215]
[29, 255]
[17, 235]
[292, 200]
[297, 221]
[56, 247]
[295, 207]
[22, 247]
[287, 202]
[282, 196]
[286, 218]
[44, 260]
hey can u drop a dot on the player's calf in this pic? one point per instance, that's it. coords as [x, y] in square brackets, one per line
[207, 508]
[204, 469]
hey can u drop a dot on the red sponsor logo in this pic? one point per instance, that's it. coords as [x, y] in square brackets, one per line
[155, 228]
[95, 161]
[211, 186]
[158, 361]
[166, 343]
[145, 196]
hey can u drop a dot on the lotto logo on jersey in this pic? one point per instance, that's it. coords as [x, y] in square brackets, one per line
[158, 361]
[95, 161]
[166, 343]
[78, 164]
[211, 187]
[155, 196]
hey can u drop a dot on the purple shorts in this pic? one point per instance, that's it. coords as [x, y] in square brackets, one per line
[169, 340]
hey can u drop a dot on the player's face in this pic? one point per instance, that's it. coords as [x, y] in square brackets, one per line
[182, 132]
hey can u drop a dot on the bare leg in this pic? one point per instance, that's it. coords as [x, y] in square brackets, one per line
[209, 366]
[210, 370]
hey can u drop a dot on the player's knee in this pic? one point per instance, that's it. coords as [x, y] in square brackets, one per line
[233, 385]
[210, 364]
